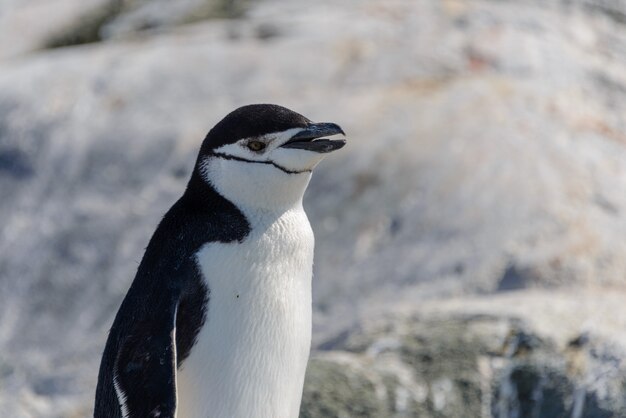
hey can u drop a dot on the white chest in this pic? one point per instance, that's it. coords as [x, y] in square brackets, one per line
[251, 354]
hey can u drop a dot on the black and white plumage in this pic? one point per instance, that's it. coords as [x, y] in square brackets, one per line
[217, 322]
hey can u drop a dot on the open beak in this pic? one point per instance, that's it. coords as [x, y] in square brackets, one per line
[310, 138]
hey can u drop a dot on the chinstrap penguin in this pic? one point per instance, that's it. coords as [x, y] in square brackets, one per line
[217, 322]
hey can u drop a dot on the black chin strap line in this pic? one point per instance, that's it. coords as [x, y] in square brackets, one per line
[245, 160]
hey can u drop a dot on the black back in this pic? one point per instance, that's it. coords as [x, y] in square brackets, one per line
[168, 291]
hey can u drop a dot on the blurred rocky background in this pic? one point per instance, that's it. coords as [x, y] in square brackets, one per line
[471, 238]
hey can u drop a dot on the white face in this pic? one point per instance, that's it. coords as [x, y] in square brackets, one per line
[267, 149]
[258, 173]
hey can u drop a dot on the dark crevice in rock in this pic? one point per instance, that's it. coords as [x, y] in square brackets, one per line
[15, 164]
[336, 342]
[87, 29]
[90, 28]
[218, 9]
[514, 278]
[614, 9]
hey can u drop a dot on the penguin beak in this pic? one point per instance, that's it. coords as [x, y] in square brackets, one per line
[310, 138]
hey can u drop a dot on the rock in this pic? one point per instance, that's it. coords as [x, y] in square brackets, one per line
[342, 387]
[142, 15]
[75, 22]
[120, 19]
[27, 26]
[486, 157]
[478, 366]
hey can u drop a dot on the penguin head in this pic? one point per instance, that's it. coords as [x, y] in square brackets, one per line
[263, 155]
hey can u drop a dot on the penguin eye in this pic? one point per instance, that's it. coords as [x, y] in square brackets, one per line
[256, 145]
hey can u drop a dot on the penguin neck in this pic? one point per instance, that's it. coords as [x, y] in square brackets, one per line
[255, 188]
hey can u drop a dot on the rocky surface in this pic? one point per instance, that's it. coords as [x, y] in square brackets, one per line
[469, 364]
[486, 157]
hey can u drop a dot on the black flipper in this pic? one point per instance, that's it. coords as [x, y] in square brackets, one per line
[167, 297]
[145, 367]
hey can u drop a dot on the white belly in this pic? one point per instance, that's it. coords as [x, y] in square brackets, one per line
[251, 354]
